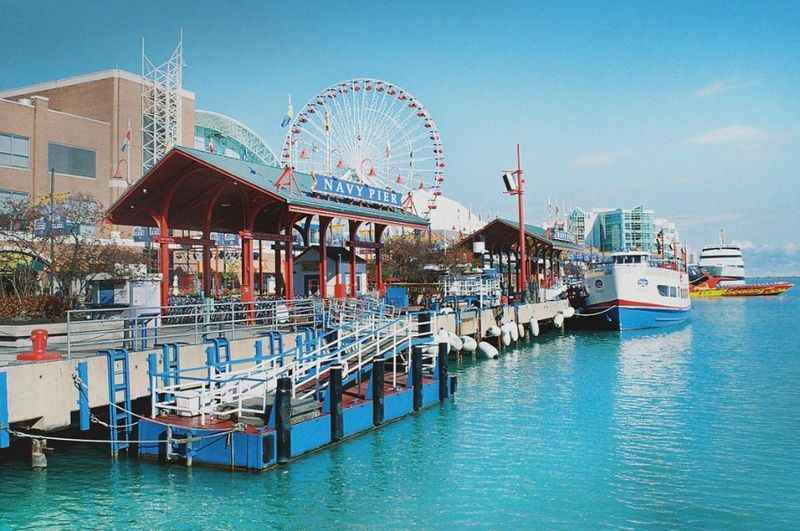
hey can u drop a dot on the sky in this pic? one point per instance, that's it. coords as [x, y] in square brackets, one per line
[688, 108]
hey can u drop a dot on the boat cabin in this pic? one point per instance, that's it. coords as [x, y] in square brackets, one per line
[630, 258]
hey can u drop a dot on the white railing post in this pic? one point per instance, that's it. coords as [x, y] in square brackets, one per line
[202, 407]
[69, 337]
[153, 396]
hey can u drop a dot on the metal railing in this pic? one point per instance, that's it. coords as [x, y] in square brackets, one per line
[141, 328]
[222, 392]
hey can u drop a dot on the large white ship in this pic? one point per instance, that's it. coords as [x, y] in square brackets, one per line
[723, 261]
[633, 290]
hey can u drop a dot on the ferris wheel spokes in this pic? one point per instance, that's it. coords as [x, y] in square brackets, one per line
[372, 131]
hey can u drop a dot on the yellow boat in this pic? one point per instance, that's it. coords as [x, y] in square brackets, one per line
[707, 292]
[709, 287]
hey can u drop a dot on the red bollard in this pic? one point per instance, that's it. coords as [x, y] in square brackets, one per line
[39, 352]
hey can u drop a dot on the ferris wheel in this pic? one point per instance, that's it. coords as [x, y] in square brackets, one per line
[369, 131]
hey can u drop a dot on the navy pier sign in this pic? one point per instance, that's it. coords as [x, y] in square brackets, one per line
[362, 192]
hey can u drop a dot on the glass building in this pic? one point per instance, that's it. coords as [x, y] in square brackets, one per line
[223, 135]
[623, 230]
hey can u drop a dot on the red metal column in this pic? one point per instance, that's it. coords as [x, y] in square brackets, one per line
[247, 265]
[276, 246]
[323, 255]
[379, 228]
[353, 238]
[164, 240]
[206, 264]
[510, 281]
[521, 265]
[289, 266]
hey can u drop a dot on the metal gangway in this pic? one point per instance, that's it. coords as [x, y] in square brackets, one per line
[359, 332]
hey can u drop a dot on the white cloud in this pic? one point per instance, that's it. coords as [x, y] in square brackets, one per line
[772, 259]
[599, 159]
[729, 135]
[722, 85]
[713, 88]
[746, 245]
[704, 220]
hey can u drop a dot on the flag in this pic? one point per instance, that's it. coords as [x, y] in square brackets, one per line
[289, 114]
[128, 135]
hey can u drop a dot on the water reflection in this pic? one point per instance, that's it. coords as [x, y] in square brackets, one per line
[649, 428]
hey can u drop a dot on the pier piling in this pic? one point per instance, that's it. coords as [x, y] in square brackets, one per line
[377, 391]
[335, 389]
[283, 419]
[441, 367]
[416, 376]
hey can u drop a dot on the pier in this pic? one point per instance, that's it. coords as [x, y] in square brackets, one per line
[43, 396]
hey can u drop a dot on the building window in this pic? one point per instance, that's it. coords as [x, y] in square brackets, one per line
[71, 160]
[14, 151]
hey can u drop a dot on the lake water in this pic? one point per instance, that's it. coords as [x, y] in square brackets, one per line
[695, 427]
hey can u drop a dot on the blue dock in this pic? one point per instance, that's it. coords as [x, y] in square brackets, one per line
[281, 404]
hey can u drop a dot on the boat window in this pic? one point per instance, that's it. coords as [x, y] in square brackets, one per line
[663, 290]
[637, 259]
[673, 291]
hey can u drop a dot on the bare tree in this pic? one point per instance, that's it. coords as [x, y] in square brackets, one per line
[416, 258]
[73, 231]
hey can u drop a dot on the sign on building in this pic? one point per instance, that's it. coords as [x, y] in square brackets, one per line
[358, 191]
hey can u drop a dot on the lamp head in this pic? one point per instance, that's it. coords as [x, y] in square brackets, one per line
[510, 181]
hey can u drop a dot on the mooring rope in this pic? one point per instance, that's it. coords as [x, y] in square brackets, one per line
[183, 440]
[592, 314]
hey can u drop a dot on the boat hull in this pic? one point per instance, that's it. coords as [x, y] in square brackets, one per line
[747, 290]
[622, 317]
[628, 318]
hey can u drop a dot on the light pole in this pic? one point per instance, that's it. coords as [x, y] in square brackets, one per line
[514, 182]
[50, 223]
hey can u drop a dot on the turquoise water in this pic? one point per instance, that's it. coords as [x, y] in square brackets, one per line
[698, 427]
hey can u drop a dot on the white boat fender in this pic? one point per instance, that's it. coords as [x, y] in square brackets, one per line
[506, 338]
[569, 312]
[521, 328]
[558, 320]
[442, 336]
[514, 329]
[493, 331]
[470, 345]
[455, 342]
[488, 350]
[534, 327]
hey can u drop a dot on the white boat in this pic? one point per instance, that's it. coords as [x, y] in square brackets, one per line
[632, 290]
[723, 261]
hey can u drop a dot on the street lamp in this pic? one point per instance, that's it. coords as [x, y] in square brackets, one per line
[514, 183]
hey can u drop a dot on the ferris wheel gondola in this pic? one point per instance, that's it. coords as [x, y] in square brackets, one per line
[370, 131]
